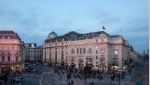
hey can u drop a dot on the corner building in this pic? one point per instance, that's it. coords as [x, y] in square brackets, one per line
[96, 50]
[11, 52]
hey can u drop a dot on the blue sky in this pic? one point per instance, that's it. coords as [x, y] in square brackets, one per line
[33, 20]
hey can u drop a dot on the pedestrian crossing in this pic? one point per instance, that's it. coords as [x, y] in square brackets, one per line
[49, 79]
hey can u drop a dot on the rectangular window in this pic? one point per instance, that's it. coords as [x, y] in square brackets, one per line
[77, 50]
[96, 57]
[3, 58]
[8, 58]
[80, 50]
[96, 62]
[84, 50]
[96, 52]
[16, 58]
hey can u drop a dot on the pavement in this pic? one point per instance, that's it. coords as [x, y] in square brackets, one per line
[49, 77]
[105, 81]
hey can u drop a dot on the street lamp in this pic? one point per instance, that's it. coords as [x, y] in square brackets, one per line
[85, 75]
[119, 74]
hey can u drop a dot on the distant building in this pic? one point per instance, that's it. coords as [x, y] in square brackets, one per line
[11, 52]
[33, 54]
[96, 50]
[133, 57]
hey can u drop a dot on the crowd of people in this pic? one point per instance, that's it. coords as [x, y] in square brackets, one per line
[83, 74]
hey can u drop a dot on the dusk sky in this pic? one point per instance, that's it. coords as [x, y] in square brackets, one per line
[33, 20]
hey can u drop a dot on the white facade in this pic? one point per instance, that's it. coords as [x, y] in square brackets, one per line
[98, 50]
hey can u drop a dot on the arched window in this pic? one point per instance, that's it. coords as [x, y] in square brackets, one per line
[88, 61]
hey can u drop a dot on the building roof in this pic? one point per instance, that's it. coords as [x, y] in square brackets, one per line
[71, 36]
[52, 35]
[5, 34]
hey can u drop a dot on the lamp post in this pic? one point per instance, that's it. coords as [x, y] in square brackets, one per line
[85, 75]
[119, 75]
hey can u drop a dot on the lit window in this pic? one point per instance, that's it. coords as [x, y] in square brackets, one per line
[77, 50]
[115, 52]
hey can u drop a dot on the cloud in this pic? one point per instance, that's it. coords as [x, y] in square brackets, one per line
[111, 20]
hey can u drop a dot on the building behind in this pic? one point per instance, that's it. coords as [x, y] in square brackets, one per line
[11, 52]
[96, 50]
[33, 54]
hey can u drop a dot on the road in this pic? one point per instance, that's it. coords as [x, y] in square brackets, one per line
[144, 78]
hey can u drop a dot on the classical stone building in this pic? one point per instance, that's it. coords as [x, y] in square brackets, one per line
[11, 52]
[97, 50]
[33, 54]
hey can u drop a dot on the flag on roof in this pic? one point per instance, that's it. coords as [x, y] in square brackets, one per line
[103, 27]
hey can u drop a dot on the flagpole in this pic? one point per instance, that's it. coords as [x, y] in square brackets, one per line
[103, 29]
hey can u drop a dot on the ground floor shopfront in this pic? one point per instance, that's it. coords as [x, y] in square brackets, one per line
[11, 68]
